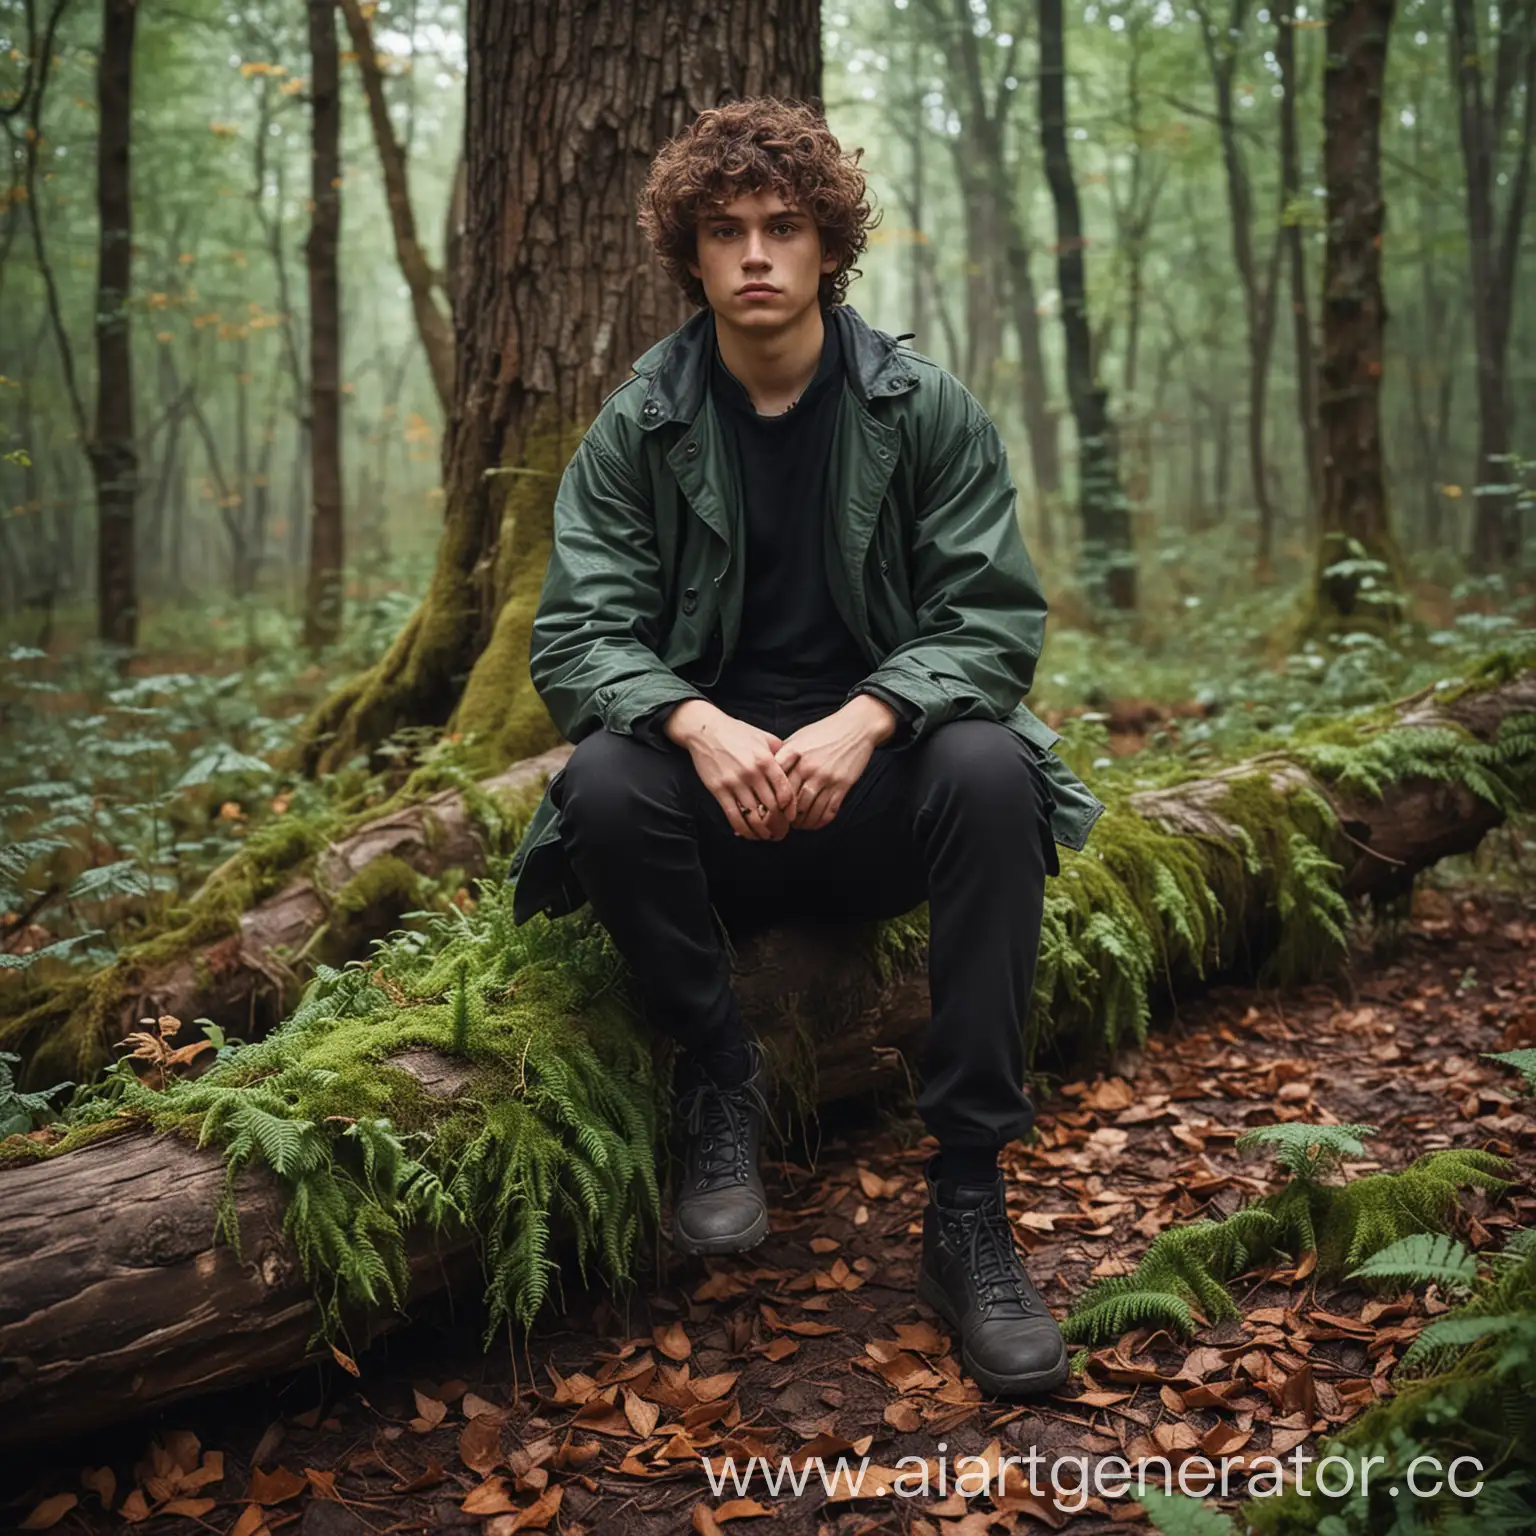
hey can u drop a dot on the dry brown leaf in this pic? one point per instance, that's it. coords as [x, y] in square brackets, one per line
[922, 1337]
[779, 1349]
[253, 1518]
[46, 1515]
[673, 1340]
[710, 1389]
[902, 1413]
[345, 1361]
[476, 1407]
[642, 1415]
[430, 1412]
[102, 1481]
[532, 1517]
[192, 1509]
[480, 1444]
[824, 1245]
[276, 1486]
[492, 1497]
[740, 1509]
[135, 1507]
[429, 1477]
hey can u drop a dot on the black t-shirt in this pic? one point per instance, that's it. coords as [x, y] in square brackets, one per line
[793, 651]
[793, 648]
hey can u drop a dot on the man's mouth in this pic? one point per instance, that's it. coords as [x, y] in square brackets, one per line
[752, 288]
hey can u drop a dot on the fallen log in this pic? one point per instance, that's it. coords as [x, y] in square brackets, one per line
[115, 1298]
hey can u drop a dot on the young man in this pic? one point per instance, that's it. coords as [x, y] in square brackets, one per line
[789, 620]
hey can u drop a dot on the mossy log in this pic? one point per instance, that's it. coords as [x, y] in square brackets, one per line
[114, 1295]
[115, 1300]
[245, 969]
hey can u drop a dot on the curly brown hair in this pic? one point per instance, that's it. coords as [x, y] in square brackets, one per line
[744, 147]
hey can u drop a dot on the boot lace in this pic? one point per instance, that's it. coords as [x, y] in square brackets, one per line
[992, 1257]
[717, 1120]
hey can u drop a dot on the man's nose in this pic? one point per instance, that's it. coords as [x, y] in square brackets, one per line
[756, 253]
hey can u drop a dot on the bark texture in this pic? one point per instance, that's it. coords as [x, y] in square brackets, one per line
[114, 458]
[558, 294]
[1355, 525]
[1108, 558]
[327, 546]
[1486, 96]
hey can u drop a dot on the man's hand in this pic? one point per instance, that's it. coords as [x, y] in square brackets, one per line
[744, 768]
[825, 758]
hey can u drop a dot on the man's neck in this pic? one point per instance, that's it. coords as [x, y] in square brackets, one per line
[774, 367]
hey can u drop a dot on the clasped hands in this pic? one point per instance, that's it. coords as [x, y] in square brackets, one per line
[765, 784]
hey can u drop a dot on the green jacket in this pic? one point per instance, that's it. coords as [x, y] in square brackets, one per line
[926, 563]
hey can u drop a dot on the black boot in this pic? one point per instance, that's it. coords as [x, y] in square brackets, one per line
[973, 1276]
[720, 1206]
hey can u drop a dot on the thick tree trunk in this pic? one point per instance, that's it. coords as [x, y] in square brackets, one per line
[1109, 561]
[114, 459]
[114, 1298]
[1357, 555]
[558, 294]
[327, 547]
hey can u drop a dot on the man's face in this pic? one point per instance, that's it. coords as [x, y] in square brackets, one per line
[760, 260]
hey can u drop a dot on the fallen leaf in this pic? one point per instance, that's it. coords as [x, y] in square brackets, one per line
[253, 1518]
[276, 1486]
[672, 1341]
[48, 1514]
[102, 1481]
[193, 1509]
[492, 1497]
[642, 1415]
[480, 1444]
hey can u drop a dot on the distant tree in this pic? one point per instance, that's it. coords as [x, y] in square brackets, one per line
[327, 545]
[1492, 88]
[114, 458]
[1359, 570]
[1108, 559]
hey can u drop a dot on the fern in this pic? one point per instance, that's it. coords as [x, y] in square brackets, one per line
[1177, 1514]
[1420, 1259]
[1523, 1061]
[1310, 1152]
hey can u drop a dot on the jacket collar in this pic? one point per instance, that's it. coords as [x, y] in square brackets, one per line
[677, 367]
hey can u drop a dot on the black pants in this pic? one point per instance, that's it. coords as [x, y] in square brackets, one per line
[960, 819]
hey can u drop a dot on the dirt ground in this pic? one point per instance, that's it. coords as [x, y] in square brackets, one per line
[814, 1343]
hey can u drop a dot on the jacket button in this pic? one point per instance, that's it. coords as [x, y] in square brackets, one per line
[885, 567]
[885, 453]
[691, 451]
[690, 600]
[650, 407]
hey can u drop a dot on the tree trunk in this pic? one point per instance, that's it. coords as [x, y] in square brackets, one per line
[327, 548]
[1108, 558]
[558, 294]
[1495, 253]
[114, 1298]
[114, 459]
[1258, 293]
[1296, 251]
[433, 327]
[1358, 564]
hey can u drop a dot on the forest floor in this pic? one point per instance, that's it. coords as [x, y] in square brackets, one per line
[814, 1343]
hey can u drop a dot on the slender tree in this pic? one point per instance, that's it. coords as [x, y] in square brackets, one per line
[1108, 559]
[114, 458]
[558, 293]
[327, 547]
[1359, 571]
[1291, 224]
[432, 325]
[1222, 52]
[1489, 90]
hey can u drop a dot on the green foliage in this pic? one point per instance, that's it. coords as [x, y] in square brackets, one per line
[1186, 1269]
[1176, 1514]
[1310, 1152]
[20, 1112]
[1523, 1061]
[555, 1129]
[1420, 1259]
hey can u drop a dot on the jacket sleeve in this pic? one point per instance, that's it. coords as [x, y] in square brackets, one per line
[592, 656]
[980, 610]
